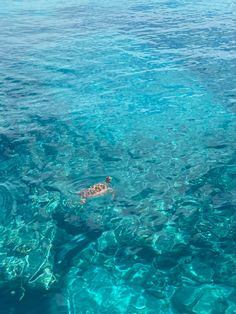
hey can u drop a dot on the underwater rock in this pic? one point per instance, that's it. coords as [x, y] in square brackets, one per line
[168, 240]
[185, 297]
[155, 283]
[126, 229]
[80, 298]
[155, 220]
[9, 166]
[187, 213]
[201, 240]
[43, 278]
[165, 261]
[143, 194]
[231, 309]
[57, 303]
[199, 271]
[228, 178]
[225, 270]
[136, 273]
[26, 258]
[49, 201]
[214, 299]
[107, 241]
[221, 179]
[6, 205]
[205, 299]
[99, 291]
[84, 258]
[222, 199]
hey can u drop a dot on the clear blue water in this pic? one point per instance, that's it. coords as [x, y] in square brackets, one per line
[143, 91]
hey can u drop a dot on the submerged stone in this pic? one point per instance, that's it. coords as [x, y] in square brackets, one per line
[6, 205]
[99, 291]
[213, 300]
[199, 271]
[107, 241]
[185, 297]
[26, 258]
[206, 299]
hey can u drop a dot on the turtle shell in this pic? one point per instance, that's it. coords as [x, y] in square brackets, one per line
[96, 189]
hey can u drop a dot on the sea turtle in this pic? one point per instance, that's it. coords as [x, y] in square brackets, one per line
[98, 189]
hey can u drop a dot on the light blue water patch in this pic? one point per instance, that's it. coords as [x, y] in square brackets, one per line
[140, 91]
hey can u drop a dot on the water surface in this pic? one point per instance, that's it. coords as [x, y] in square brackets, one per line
[143, 91]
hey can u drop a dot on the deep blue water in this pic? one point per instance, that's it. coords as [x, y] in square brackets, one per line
[143, 91]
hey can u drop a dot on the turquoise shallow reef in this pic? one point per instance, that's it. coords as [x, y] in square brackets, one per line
[143, 91]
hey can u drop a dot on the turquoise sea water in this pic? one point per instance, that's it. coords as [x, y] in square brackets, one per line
[143, 91]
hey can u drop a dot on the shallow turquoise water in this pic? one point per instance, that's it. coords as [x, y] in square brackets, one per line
[143, 91]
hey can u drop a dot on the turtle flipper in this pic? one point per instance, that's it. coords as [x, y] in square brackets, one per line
[82, 200]
[110, 190]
